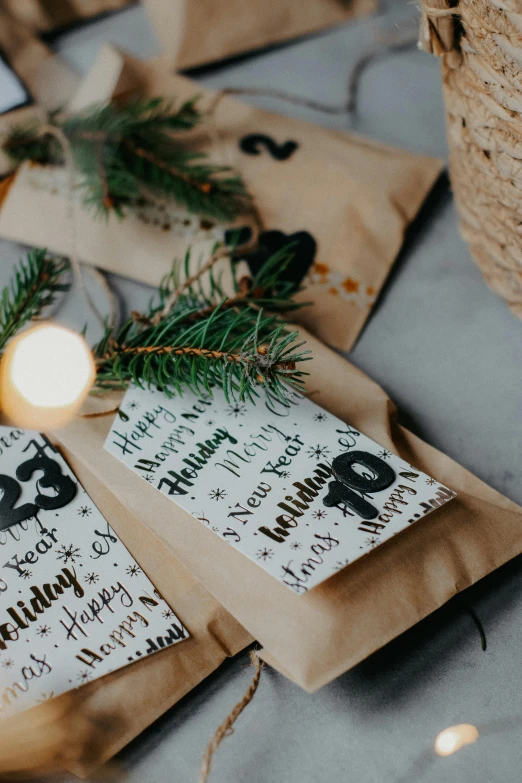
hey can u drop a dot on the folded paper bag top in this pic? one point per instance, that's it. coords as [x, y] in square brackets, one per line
[344, 200]
[197, 32]
[377, 597]
[42, 15]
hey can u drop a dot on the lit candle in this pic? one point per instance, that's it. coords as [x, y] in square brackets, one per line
[454, 738]
[45, 375]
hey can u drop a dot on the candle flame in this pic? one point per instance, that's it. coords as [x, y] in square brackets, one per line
[454, 738]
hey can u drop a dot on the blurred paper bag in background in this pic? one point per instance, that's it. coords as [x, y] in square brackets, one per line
[44, 80]
[50, 82]
[46, 15]
[346, 201]
[195, 32]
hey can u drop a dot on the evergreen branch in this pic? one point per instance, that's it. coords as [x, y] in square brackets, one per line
[32, 288]
[124, 153]
[205, 338]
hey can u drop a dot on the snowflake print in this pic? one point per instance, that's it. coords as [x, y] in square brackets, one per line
[8, 663]
[284, 474]
[83, 677]
[167, 614]
[430, 481]
[217, 494]
[215, 529]
[318, 452]
[341, 564]
[134, 405]
[264, 554]
[149, 477]
[44, 630]
[84, 511]
[26, 574]
[295, 545]
[320, 416]
[236, 410]
[384, 454]
[210, 423]
[68, 553]
[319, 514]
[133, 570]
[370, 542]
[91, 578]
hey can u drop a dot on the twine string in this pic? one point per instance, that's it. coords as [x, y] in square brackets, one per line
[385, 46]
[225, 729]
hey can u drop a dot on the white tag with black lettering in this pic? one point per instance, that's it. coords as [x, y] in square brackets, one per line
[74, 604]
[294, 488]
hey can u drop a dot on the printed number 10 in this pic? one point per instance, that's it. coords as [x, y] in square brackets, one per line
[358, 473]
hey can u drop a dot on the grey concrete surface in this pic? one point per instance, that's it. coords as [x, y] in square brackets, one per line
[449, 353]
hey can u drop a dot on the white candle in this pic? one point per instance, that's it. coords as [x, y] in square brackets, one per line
[45, 375]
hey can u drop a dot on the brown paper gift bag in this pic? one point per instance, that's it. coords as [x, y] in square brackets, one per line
[348, 199]
[47, 79]
[46, 15]
[313, 638]
[194, 32]
[100, 718]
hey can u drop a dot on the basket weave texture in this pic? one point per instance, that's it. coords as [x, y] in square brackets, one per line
[480, 43]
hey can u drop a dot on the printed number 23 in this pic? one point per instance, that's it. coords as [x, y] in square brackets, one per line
[53, 478]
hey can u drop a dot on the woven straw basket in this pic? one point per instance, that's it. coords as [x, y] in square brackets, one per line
[480, 42]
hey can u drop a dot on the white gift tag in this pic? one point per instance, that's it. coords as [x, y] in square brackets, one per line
[74, 604]
[294, 488]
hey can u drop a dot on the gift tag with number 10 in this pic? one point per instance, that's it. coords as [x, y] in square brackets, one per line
[292, 487]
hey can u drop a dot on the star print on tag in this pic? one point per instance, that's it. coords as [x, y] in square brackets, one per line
[294, 488]
[74, 604]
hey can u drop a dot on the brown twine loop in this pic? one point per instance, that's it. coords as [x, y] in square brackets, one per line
[226, 728]
[386, 45]
[483, 99]
[63, 141]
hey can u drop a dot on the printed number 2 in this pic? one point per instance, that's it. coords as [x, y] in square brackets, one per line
[252, 145]
[53, 477]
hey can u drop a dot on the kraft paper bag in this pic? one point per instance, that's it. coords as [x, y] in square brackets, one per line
[50, 82]
[195, 32]
[316, 636]
[344, 200]
[46, 15]
[47, 80]
[82, 729]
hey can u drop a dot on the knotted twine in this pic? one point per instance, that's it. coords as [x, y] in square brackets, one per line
[481, 47]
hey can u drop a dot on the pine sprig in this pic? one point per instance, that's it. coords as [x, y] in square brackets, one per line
[209, 339]
[123, 153]
[33, 287]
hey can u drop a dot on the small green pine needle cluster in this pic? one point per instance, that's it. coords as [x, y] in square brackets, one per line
[125, 153]
[209, 339]
[33, 287]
